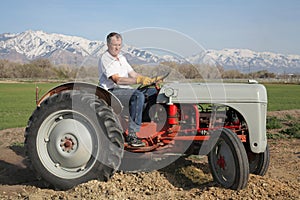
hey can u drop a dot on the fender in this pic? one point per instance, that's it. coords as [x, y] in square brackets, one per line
[107, 96]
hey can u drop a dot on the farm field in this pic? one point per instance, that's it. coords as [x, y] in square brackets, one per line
[17, 100]
[283, 96]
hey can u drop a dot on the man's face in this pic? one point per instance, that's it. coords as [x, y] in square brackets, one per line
[114, 47]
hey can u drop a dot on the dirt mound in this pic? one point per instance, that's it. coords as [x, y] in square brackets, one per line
[187, 178]
[285, 113]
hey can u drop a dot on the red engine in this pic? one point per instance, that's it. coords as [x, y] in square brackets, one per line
[187, 122]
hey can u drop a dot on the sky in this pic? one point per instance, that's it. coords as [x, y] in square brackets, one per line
[258, 25]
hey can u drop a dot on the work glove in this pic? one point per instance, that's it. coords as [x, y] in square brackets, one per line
[157, 79]
[144, 80]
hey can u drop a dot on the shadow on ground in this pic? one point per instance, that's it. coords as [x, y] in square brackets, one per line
[17, 173]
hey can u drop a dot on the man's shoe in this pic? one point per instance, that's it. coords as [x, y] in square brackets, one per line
[134, 141]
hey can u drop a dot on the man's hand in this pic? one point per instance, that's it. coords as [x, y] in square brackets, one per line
[144, 80]
[157, 79]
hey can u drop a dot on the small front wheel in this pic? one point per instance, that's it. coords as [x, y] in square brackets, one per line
[228, 161]
[258, 162]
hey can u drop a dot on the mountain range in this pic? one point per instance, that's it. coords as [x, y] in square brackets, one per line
[77, 51]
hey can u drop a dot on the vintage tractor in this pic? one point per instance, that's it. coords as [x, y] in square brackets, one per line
[77, 132]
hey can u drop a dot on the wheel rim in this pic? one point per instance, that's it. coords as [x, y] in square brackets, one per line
[223, 163]
[66, 144]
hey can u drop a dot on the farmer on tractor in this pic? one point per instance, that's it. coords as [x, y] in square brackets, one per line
[74, 134]
[116, 75]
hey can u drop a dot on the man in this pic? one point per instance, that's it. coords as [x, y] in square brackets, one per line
[116, 75]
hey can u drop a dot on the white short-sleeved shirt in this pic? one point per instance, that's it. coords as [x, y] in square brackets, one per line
[108, 66]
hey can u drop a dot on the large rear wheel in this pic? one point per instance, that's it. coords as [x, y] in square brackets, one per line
[72, 138]
[228, 161]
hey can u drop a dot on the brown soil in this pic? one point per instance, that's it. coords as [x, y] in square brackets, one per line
[187, 178]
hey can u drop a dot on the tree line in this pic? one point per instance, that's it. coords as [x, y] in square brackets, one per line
[39, 68]
[44, 69]
[201, 71]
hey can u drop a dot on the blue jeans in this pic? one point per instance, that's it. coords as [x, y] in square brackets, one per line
[137, 101]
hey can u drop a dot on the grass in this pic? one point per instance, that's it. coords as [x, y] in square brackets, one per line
[283, 96]
[285, 127]
[293, 130]
[17, 100]
[273, 123]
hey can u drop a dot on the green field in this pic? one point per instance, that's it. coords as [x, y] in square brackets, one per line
[17, 100]
[283, 96]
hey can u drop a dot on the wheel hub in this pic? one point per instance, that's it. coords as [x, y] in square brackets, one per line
[221, 162]
[68, 143]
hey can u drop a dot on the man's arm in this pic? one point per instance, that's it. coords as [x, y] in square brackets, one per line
[133, 79]
[123, 80]
[133, 74]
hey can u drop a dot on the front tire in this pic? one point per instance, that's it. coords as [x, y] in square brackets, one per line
[228, 161]
[72, 138]
[258, 162]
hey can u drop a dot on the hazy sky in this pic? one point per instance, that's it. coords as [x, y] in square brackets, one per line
[259, 25]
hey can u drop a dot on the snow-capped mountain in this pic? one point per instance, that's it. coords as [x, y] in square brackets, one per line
[78, 51]
[62, 49]
[34, 44]
[246, 60]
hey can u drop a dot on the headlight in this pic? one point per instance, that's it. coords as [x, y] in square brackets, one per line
[169, 92]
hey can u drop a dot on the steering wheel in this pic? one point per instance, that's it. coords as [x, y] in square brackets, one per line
[157, 80]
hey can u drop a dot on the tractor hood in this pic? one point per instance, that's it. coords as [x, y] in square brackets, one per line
[212, 93]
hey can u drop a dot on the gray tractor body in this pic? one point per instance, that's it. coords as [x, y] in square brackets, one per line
[250, 100]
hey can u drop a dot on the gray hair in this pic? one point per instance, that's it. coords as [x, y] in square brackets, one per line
[112, 34]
